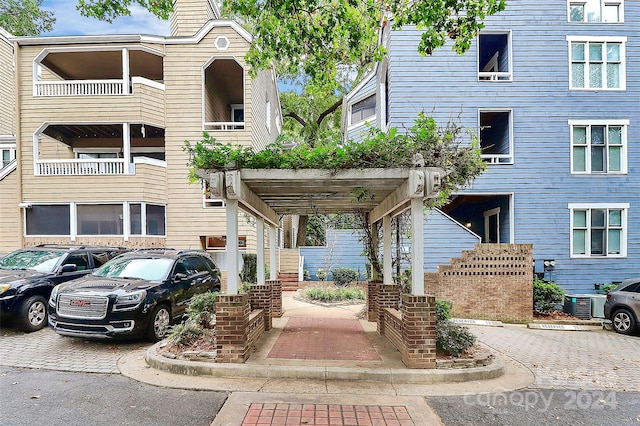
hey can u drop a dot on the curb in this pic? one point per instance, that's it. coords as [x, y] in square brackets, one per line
[272, 371]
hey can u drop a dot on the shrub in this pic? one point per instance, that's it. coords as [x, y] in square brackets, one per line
[321, 274]
[249, 272]
[547, 295]
[200, 316]
[453, 339]
[609, 287]
[443, 311]
[334, 294]
[343, 276]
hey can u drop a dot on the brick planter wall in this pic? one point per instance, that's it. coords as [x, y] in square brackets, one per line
[418, 331]
[491, 282]
[276, 298]
[387, 296]
[260, 297]
[372, 297]
[232, 319]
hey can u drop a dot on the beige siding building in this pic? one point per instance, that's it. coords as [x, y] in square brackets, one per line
[101, 127]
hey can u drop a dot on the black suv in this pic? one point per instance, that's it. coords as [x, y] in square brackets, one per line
[27, 277]
[138, 293]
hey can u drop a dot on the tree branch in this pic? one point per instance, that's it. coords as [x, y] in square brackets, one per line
[297, 118]
[329, 111]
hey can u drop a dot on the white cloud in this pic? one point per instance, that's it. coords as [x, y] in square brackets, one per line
[70, 22]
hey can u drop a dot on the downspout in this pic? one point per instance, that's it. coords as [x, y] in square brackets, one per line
[18, 132]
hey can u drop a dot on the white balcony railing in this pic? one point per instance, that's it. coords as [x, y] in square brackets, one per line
[497, 158]
[79, 88]
[80, 167]
[224, 125]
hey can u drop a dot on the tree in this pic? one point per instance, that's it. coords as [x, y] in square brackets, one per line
[25, 17]
[108, 10]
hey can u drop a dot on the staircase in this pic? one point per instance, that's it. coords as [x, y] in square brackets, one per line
[289, 281]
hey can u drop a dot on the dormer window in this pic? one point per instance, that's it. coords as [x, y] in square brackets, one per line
[364, 109]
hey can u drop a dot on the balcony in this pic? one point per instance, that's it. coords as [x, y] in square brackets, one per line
[79, 88]
[80, 167]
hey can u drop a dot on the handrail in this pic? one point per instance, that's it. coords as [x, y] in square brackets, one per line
[96, 166]
[224, 125]
[78, 88]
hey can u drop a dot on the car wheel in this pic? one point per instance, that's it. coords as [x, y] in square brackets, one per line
[623, 321]
[159, 324]
[33, 314]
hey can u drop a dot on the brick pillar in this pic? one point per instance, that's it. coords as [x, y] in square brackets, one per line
[387, 296]
[260, 298]
[276, 298]
[419, 331]
[232, 319]
[372, 310]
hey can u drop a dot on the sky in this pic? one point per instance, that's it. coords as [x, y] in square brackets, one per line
[70, 22]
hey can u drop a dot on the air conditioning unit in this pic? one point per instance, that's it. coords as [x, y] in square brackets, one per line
[578, 305]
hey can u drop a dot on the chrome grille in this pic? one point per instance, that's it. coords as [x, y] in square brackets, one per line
[82, 306]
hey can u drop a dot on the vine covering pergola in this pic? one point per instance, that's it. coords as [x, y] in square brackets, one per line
[268, 194]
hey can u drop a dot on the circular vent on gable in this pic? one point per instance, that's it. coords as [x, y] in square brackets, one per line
[222, 43]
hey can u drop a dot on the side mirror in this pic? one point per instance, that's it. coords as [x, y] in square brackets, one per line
[179, 277]
[69, 267]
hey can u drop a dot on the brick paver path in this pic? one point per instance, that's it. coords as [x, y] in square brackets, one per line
[326, 414]
[324, 338]
[48, 350]
[570, 359]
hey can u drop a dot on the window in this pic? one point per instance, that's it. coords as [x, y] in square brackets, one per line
[598, 147]
[99, 219]
[363, 109]
[219, 242]
[598, 230]
[8, 155]
[48, 220]
[154, 219]
[596, 11]
[597, 64]
[494, 56]
[496, 136]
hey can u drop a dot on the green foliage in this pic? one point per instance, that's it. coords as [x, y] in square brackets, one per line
[453, 339]
[108, 10]
[404, 281]
[440, 147]
[334, 294]
[249, 273]
[25, 17]
[200, 316]
[547, 295]
[443, 311]
[321, 274]
[343, 276]
[609, 287]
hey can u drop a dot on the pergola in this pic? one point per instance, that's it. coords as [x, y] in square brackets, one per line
[268, 194]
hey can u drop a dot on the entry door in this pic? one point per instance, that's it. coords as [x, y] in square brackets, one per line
[492, 226]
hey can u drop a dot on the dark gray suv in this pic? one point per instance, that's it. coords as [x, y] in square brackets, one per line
[623, 306]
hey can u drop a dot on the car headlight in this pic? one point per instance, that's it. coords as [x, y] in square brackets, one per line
[54, 296]
[129, 301]
[4, 287]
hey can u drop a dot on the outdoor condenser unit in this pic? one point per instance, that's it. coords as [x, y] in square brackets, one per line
[578, 305]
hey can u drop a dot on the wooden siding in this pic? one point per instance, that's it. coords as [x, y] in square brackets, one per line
[262, 88]
[189, 16]
[10, 224]
[343, 250]
[446, 85]
[7, 83]
[187, 220]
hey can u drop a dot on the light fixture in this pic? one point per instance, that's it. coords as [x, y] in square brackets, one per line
[467, 225]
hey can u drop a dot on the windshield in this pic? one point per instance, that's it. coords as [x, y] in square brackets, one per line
[135, 267]
[38, 260]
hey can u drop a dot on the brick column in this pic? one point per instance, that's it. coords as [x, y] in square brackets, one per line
[232, 319]
[419, 331]
[372, 310]
[260, 298]
[387, 296]
[276, 298]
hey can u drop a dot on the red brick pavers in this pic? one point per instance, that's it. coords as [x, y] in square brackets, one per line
[324, 338]
[280, 414]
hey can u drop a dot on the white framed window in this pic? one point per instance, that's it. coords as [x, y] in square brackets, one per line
[8, 155]
[597, 11]
[597, 63]
[599, 229]
[598, 146]
[496, 135]
[363, 109]
[494, 56]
